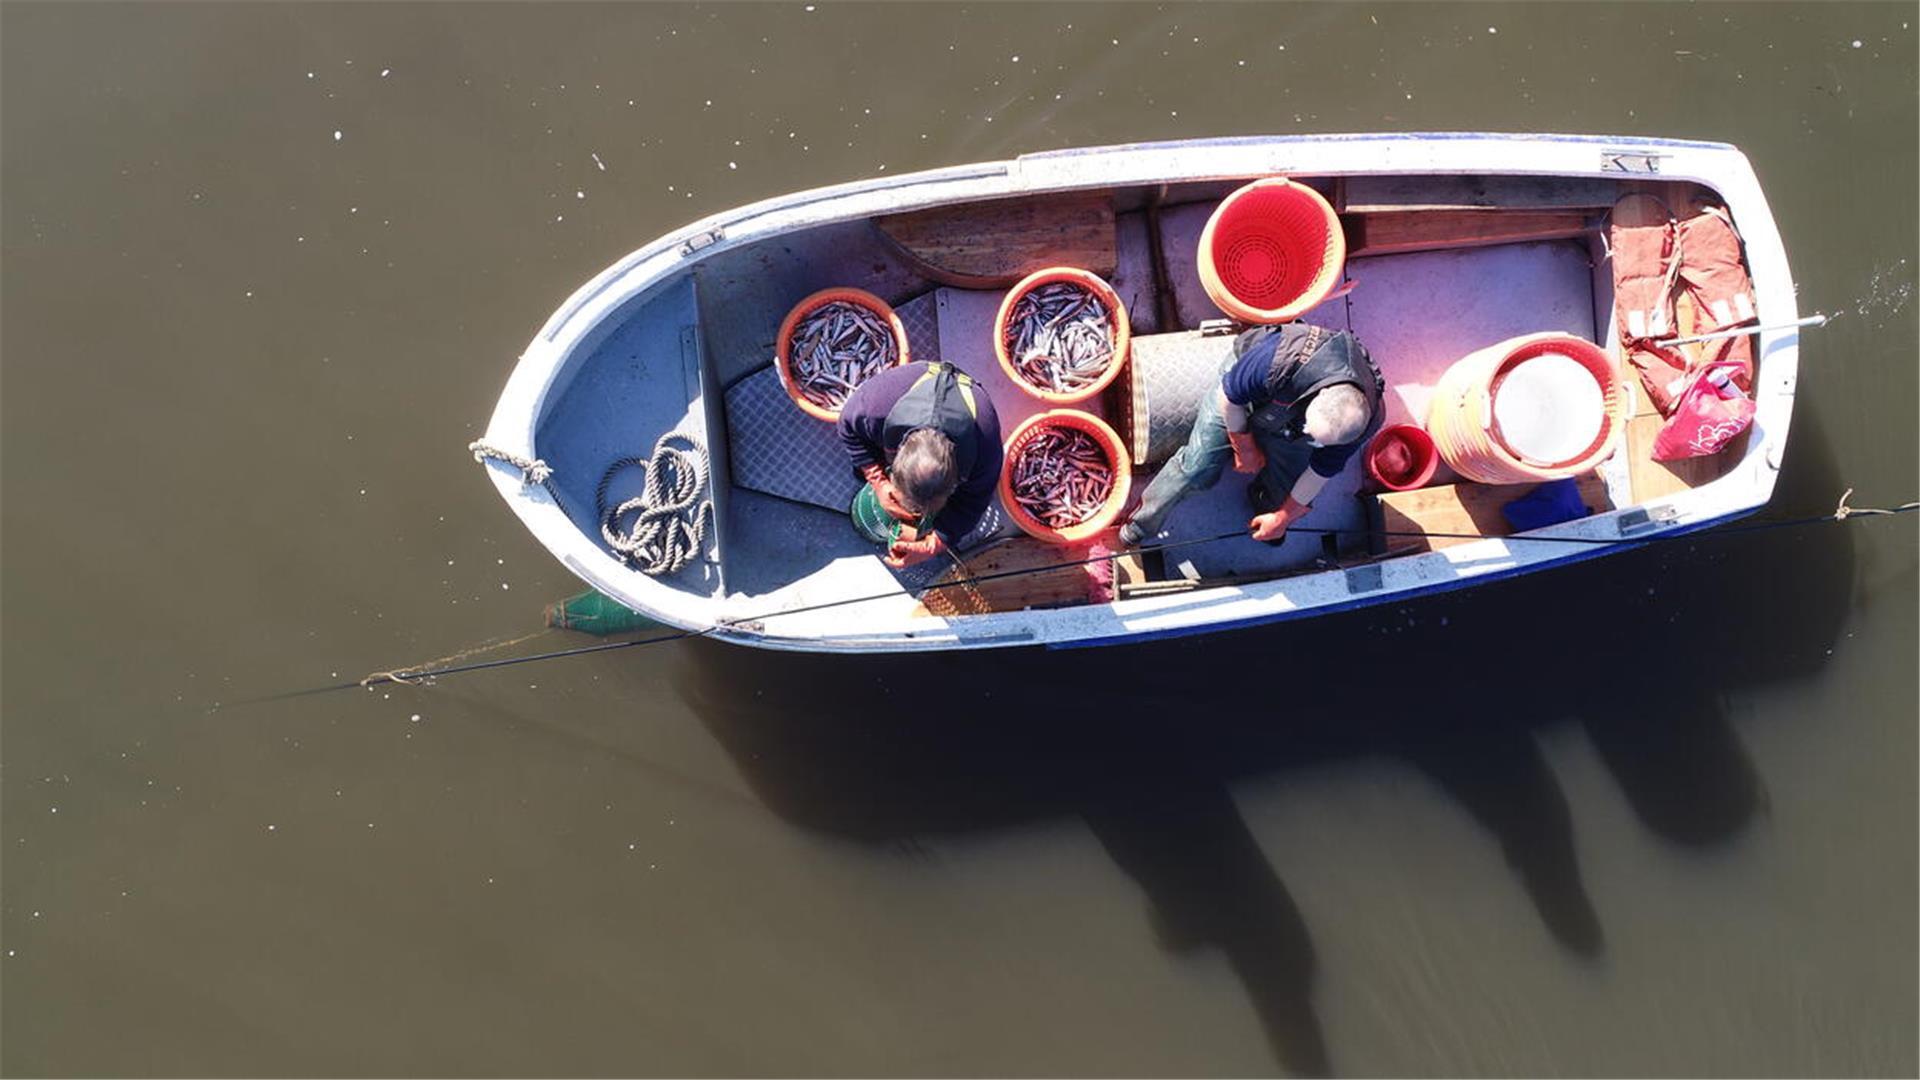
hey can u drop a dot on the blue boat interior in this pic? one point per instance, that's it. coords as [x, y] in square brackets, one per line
[695, 355]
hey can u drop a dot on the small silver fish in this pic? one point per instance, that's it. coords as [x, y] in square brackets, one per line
[835, 348]
[1060, 337]
[1062, 477]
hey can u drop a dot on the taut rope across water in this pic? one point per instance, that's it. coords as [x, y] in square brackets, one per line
[424, 675]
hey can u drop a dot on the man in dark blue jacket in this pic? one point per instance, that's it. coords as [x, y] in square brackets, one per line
[1295, 402]
[926, 440]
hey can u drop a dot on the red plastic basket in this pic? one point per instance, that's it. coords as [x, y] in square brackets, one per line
[783, 363]
[1110, 444]
[1116, 319]
[1271, 251]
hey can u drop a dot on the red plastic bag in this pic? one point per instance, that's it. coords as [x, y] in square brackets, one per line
[1707, 414]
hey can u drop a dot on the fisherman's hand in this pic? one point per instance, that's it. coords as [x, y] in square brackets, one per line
[1247, 455]
[904, 553]
[1270, 526]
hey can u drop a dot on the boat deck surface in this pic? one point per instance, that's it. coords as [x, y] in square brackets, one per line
[781, 481]
[1416, 313]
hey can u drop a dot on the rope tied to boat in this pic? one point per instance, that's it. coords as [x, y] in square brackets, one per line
[1842, 512]
[532, 470]
[670, 530]
[424, 675]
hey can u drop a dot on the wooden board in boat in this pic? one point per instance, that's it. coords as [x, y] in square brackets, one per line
[1472, 509]
[991, 245]
[1652, 479]
[1048, 588]
[1368, 194]
[1398, 231]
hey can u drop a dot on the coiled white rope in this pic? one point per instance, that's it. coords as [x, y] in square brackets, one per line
[671, 529]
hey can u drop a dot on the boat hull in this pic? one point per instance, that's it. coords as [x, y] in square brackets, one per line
[789, 617]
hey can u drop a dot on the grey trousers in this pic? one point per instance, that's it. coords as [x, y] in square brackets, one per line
[1198, 465]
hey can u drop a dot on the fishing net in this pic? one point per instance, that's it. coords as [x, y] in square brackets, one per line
[596, 614]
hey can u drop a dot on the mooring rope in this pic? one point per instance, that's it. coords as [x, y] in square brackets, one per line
[407, 674]
[1842, 512]
[419, 676]
[671, 529]
[532, 470]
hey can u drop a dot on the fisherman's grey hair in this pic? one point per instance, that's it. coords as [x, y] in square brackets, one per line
[1337, 415]
[924, 472]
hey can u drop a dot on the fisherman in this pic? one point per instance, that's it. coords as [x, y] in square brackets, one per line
[1295, 402]
[926, 440]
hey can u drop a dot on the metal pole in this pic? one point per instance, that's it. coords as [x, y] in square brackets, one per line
[1743, 331]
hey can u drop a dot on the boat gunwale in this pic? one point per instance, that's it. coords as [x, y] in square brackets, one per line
[1717, 165]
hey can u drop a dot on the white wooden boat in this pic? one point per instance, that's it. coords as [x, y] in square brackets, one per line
[679, 336]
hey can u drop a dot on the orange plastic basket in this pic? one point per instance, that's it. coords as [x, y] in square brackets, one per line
[1271, 251]
[783, 362]
[1461, 417]
[1116, 321]
[1110, 444]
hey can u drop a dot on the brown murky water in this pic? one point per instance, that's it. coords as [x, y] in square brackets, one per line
[265, 269]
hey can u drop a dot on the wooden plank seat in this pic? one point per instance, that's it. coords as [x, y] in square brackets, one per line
[1369, 194]
[992, 245]
[1392, 232]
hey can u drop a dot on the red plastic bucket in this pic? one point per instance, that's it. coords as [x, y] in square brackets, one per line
[1110, 446]
[1402, 457]
[1271, 251]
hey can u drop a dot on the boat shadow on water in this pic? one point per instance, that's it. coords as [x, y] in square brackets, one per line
[1144, 742]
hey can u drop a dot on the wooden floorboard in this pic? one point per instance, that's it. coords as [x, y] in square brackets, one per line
[1062, 586]
[1470, 509]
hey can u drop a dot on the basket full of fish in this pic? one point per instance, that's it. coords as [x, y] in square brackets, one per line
[1066, 476]
[1061, 335]
[833, 341]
